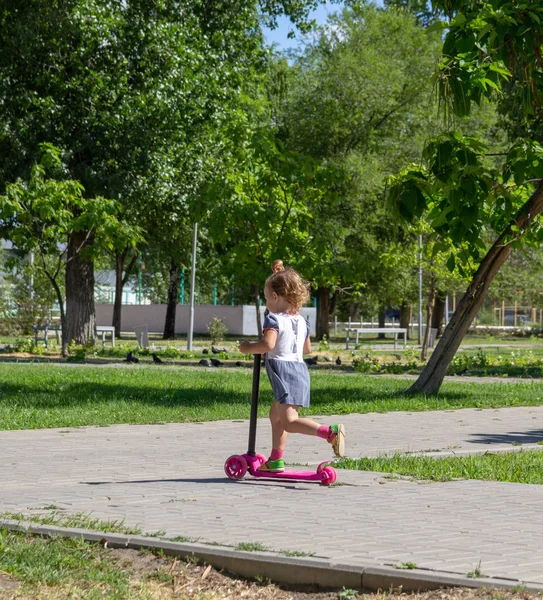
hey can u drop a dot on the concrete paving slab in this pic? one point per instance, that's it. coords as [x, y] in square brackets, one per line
[170, 478]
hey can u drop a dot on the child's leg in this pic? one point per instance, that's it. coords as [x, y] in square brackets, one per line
[292, 423]
[279, 435]
[275, 462]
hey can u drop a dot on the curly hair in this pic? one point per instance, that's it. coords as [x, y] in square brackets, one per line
[289, 284]
[277, 265]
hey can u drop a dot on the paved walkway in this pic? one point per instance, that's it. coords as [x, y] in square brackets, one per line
[170, 478]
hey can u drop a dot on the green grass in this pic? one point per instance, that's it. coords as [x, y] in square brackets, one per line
[60, 562]
[525, 466]
[39, 396]
[251, 547]
[77, 521]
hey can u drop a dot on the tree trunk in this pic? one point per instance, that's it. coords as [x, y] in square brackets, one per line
[80, 309]
[323, 313]
[354, 311]
[429, 312]
[257, 306]
[405, 314]
[432, 376]
[53, 279]
[120, 282]
[438, 313]
[173, 290]
[381, 322]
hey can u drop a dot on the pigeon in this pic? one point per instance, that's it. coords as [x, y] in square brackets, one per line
[328, 359]
[205, 351]
[398, 356]
[130, 358]
[215, 362]
[311, 361]
[338, 361]
[462, 372]
[215, 350]
[204, 363]
[156, 360]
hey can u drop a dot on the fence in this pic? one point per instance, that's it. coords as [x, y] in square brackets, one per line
[240, 320]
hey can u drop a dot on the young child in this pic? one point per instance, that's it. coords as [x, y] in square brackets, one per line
[285, 341]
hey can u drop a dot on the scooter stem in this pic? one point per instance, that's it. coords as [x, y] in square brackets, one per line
[254, 405]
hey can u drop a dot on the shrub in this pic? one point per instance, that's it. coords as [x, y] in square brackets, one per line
[324, 344]
[217, 329]
[170, 352]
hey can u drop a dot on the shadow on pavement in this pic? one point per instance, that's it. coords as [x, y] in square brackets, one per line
[260, 482]
[513, 437]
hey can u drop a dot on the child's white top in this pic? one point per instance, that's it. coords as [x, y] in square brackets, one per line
[292, 331]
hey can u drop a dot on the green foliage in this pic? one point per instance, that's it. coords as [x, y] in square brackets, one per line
[371, 363]
[24, 345]
[356, 100]
[251, 547]
[170, 352]
[366, 364]
[77, 353]
[324, 344]
[517, 363]
[217, 329]
[347, 594]
[486, 45]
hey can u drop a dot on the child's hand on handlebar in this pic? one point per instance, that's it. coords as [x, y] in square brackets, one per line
[245, 347]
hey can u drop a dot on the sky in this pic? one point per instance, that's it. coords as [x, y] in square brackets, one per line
[279, 36]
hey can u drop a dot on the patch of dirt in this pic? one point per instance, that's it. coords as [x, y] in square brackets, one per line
[188, 580]
[7, 583]
[165, 578]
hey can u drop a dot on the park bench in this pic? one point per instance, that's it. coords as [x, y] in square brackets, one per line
[46, 328]
[102, 330]
[359, 330]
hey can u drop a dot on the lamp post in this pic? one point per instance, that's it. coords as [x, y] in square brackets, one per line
[192, 280]
[420, 290]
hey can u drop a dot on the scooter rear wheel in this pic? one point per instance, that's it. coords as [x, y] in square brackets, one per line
[235, 467]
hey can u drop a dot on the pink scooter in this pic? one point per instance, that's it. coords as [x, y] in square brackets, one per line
[236, 466]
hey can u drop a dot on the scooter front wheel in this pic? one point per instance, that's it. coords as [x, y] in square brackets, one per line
[235, 467]
[328, 476]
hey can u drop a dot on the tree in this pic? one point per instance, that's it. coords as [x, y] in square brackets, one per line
[485, 47]
[263, 214]
[119, 88]
[46, 215]
[357, 101]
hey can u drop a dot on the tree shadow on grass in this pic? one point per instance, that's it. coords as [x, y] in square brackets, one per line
[88, 393]
[324, 398]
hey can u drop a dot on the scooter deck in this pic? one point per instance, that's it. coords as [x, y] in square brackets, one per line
[238, 465]
[301, 475]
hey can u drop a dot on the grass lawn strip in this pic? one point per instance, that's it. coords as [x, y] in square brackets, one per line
[46, 396]
[34, 568]
[525, 466]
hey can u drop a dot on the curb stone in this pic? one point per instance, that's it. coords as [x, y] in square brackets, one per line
[281, 569]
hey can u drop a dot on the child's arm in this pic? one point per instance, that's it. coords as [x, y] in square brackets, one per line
[264, 345]
[307, 345]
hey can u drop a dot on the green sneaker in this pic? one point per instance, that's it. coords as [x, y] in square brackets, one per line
[273, 466]
[338, 441]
